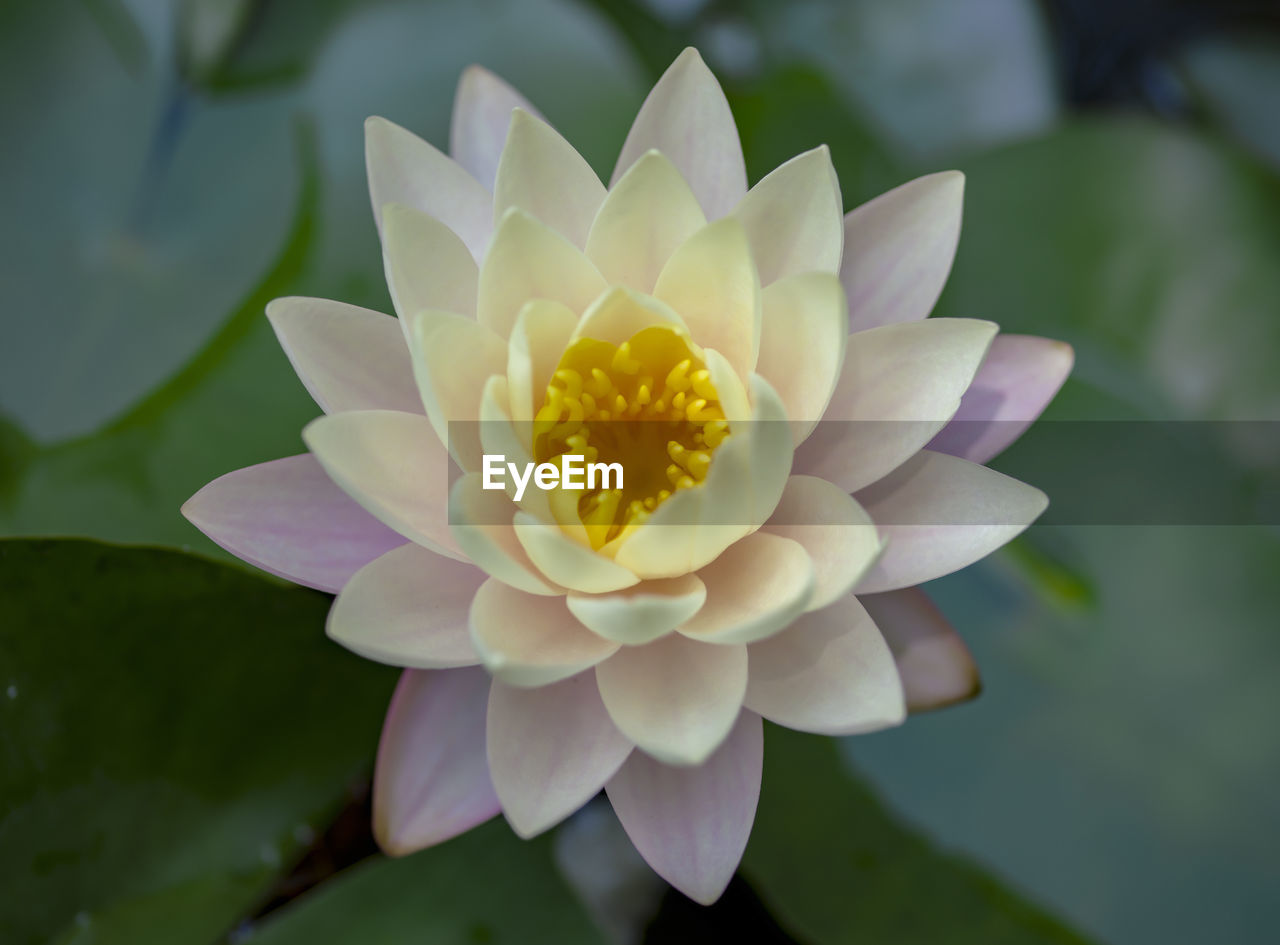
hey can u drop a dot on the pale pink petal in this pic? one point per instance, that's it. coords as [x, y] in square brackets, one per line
[1017, 380]
[675, 698]
[687, 118]
[290, 519]
[691, 824]
[936, 667]
[830, 672]
[898, 250]
[642, 613]
[481, 115]
[348, 358]
[551, 749]
[426, 265]
[431, 781]
[408, 608]
[939, 514]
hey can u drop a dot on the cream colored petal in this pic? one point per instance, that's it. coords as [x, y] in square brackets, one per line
[567, 562]
[899, 386]
[348, 358]
[898, 250]
[621, 312]
[427, 266]
[677, 699]
[802, 345]
[939, 514]
[933, 661]
[500, 439]
[394, 466]
[529, 260]
[481, 115]
[408, 608]
[641, 613]
[712, 284]
[405, 169]
[833, 528]
[734, 403]
[831, 672]
[542, 174]
[648, 213]
[541, 333]
[453, 358]
[757, 587]
[687, 118]
[794, 218]
[481, 522]
[525, 640]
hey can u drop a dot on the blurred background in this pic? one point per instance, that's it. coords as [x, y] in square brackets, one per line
[185, 758]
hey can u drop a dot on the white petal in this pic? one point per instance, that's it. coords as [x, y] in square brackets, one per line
[687, 118]
[541, 173]
[408, 608]
[754, 589]
[431, 781]
[481, 521]
[427, 266]
[794, 218]
[898, 250]
[529, 260]
[642, 613]
[393, 465]
[348, 358]
[551, 749]
[933, 661]
[481, 114]
[405, 169]
[675, 698]
[567, 562]
[831, 672]
[939, 514]
[836, 532]
[537, 342]
[525, 640]
[691, 824]
[899, 386]
[621, 312]
[647, 214]
[802, 345]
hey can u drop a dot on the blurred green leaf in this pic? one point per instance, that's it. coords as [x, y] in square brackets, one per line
[171, 728]
[485, 886]
[835, 868]
[1237, 79]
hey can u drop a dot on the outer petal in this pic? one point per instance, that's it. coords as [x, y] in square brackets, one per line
[526, 640]
[1017, 380]
[691, 824]
[290, 519]
[405, 169]
[802, 345]
[541, 173]
[899, 386]
[675, 698]
[408, 608]
[898, 250]
[348, 358]
[481, 523]
[431, 781]
[393, 465]
[831, 672]
[551, 750]
[933, 662]
[758, 586]
[529, 260]
[427, 266]
[642, 613]
[711, 282]
[481, 114]
[940, 514]
[836, 532]
[646, 216]
[793, 218]
[687, 118]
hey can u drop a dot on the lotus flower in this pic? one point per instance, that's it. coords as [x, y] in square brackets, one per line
[755, 565]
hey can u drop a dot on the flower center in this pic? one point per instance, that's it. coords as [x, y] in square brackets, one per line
[647, 404]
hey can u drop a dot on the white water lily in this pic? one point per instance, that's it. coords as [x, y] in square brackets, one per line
[632, 639]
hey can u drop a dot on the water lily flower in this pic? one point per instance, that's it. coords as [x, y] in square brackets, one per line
[755, 564]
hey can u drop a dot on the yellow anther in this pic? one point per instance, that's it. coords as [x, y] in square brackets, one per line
[650, 503]
[694, 410]
[702, 385]
[571, 380]
[642, 395]
[677, 402]
[685, 482]
[601, 386]
[674, 473]
[697, 462]
[588, 403]
[659, 406]
[620, 404]
[713, 433]
[602, 415]
[622, 360]
[676, 378]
